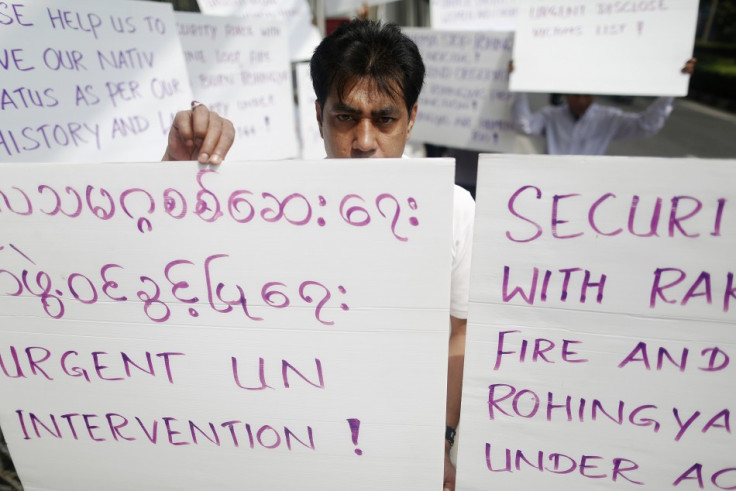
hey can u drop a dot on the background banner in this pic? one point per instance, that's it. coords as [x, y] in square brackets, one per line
[479, 15]
[242, 71]
[295, 16]
[465, 102]
[609, 47]
[88, 81]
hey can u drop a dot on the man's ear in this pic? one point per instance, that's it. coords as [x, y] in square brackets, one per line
[318, 110]
[412, 118]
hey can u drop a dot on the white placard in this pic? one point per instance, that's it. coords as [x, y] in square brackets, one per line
[293, 15]
[242, 71]
[86, 80]
[173, 327]
[312, 144]
[465, 102]
[336, 7]
[608, 47]
[601, 339]
[476, 15]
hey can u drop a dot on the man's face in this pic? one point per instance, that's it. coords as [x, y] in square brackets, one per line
[578, 103]
[366, 123]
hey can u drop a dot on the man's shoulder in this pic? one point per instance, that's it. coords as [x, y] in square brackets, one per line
[463, 202]
[555, 113]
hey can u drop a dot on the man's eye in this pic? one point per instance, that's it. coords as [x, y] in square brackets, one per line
[344, 117]
[386, 120]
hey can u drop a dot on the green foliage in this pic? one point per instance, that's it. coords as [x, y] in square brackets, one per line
[717, 58]
[724, 23]
[723, 28]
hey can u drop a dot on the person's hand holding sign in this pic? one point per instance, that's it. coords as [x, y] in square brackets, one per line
[689, 67]
[199, 134]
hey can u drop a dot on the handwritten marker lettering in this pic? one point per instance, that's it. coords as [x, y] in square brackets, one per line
[157, 294]
[114, 427]
[558, 463]
[354, 433]
[241, 205]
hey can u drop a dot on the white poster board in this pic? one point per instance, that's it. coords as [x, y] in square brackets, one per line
[293, 15]
[465, 102]
[602, 335]
[278, 324]
[476, 15]
[579, 47]
[242, 71]
[85, 80]
[313, 146]
[337, 7]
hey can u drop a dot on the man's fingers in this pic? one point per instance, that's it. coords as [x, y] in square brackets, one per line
[183, 126]
[199, 134]
[689, 66]
[227, 136]
[180, 137]
[213, 136]
[207, 130]
[201, 129]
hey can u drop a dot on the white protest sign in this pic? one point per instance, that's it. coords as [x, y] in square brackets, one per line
[477, 15]
[280, 323]
[242, 71]
[602, 334]
[335, 7]
[313, 146]
[465, 102]
[293, 15]
[604, 47]
[86, 80]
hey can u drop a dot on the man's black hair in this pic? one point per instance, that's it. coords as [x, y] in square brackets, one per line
[368, 49]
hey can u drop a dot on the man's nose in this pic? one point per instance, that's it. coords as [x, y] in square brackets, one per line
[365, 136]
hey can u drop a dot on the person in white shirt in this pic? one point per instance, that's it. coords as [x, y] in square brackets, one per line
[367, 77]
[582, 127]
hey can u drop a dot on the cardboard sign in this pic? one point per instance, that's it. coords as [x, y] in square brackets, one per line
[284, 321]
[86, 80]
[476, 15]
[609, 47]
[465, 102]
[293, 15]
[242, 71]
[602, 337]
[312, 144]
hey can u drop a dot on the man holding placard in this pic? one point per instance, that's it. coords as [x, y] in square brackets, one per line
[367, 78]
[581, 127]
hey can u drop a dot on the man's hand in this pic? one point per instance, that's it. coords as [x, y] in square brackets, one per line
[199, 134]
[449, 480]
[689, 67]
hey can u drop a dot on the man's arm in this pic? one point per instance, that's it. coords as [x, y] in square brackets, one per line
[199, 134]
[462, 251]
[525, 121]
[456, 359]
[643, 124]
[652, 119]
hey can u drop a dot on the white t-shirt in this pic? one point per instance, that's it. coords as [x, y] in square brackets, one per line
[463, 214]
